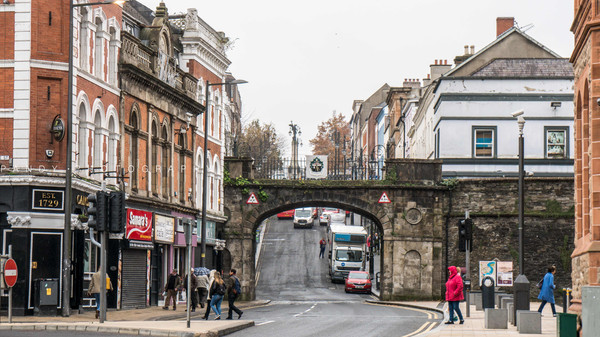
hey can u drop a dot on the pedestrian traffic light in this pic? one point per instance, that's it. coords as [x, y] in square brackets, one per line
[117, 212]
[98, 210]
[465, 234]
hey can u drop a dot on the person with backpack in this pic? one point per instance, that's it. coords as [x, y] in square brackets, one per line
[217, 291]
[234, 290]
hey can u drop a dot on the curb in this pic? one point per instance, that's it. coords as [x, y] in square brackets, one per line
[198, 313]
[416, 306]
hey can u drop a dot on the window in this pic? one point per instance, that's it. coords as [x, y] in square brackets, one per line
[166, 162]
[182, 168]
[155, 167]
[97, 154]
[133, 150]
[484, 142]
[556, 142]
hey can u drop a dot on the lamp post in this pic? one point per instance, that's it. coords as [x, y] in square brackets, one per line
[66, 248]
[521, 285]
[295, 132]
[205, 167]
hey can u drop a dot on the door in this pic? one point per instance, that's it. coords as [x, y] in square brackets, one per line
[46, 261]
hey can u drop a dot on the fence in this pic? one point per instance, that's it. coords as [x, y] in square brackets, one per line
[285, 168]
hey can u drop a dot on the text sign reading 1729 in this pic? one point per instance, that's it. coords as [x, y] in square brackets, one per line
[48, 199]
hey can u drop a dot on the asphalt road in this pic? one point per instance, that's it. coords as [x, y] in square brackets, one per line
[38, 333]
[304, 302]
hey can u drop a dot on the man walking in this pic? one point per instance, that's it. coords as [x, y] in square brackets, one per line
[233, 291]
[202, 289]
[322, 245]
[193, 286]
[173, 283]
[95, 288]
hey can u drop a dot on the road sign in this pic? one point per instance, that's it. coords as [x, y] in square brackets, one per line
[252, 199]
[384, 199]
[10, 273]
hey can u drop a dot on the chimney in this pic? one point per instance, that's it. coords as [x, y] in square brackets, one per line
[466, 49]
[504, 24]
[472, 49]
[427, 81]
[438, 69]
[411, 83]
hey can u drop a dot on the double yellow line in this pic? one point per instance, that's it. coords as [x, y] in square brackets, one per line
[427, 326]
[424, 328]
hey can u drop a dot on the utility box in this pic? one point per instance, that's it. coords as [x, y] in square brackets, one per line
[487, 293]
[590, 311]
[45, 296]
[566, 325]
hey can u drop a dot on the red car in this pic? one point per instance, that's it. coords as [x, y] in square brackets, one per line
[358, 281]
[286, 214]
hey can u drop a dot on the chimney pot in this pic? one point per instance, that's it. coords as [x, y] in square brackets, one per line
[428, 76]
[436, 62]
[445, 62]
[466, 49]
[472, 49]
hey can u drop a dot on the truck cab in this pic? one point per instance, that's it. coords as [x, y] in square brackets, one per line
[347, 251]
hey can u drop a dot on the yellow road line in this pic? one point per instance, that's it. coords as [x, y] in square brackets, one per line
[430, 326]
[417, 331]
[430, 315]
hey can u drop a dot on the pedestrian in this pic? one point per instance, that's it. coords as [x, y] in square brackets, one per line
[322, 245]
[217, 291]
[211, 280]
[95, 288]
[202, 289]
[454, 294]
[234, 290]
[171, 288]
[547, 291]
[376, 242]
[193, 294]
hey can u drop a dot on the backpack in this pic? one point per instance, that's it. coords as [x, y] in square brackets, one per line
[220, 290]
[237, 288]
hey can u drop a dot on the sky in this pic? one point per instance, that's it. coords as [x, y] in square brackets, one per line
[303, 60]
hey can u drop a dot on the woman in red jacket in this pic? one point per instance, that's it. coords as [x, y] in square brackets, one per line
[454, 294]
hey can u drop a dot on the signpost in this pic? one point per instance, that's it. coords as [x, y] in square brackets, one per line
[9, 275]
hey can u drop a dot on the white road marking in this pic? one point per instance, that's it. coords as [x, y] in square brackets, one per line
[306, 311]
[263, 323]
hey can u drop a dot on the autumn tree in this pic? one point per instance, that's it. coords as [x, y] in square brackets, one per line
[261, 142]
[333, 137]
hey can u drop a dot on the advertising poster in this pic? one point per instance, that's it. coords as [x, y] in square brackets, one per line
[139, 225]
[505, 274]
[316, 167]
[487, 268]
[164, 231]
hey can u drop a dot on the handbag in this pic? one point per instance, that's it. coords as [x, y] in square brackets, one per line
[540, 284]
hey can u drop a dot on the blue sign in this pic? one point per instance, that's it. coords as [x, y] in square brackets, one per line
[343, 264]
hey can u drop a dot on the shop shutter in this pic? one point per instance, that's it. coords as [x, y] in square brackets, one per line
[134, 279]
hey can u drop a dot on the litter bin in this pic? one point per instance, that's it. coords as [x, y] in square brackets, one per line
[377, 285]
[487, 293]
[566, 325]
[45, 300]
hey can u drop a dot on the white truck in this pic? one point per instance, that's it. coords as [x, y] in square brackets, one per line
[347, 250]
[303, 217]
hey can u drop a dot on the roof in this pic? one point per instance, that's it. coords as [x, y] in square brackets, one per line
[526, 68]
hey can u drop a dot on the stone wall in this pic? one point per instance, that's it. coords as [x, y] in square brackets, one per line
[493, 204]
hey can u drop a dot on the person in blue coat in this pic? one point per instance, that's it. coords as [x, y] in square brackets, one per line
[547, 291]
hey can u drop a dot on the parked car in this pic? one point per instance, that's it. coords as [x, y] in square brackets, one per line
[358, 281]
[286, 214]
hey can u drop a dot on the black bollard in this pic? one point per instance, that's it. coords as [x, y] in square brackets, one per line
[488, 293]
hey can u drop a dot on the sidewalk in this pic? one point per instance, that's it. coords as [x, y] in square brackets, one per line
[474, 325]
[153, 321]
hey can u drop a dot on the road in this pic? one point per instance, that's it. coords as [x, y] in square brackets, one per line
[304, 302]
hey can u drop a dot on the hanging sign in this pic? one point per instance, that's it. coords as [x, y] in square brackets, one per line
[316, 167]
[384, 199]
[252, 200]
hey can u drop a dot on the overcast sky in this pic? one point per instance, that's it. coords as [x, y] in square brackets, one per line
[305, 59]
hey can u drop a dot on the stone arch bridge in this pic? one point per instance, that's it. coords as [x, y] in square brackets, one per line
[412, 223]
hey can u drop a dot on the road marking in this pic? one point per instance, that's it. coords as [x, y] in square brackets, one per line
[417, 331]
[430, 326]
[263, 323]
[306, 311]
[430, 315]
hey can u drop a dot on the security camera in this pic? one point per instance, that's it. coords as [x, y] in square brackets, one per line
[517, 113]
[598, 101]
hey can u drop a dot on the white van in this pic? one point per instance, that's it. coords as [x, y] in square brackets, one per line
[303, 217]
[336, 218]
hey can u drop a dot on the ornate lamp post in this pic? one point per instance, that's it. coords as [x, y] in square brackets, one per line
[295, 132]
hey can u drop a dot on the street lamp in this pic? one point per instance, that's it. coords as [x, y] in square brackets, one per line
[205, 167]
[66, 269]
[295, 132]
[521, 285]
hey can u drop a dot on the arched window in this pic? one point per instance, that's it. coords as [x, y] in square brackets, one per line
[133, 150]
[82, 135]
[182, 169]
[97, 154]
[112, 144]
[166, 162]
[112, 56]
[155, 166]
[84, 40]
[199, 168]
[99, 49]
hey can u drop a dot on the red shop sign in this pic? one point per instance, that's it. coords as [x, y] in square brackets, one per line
[139, 225]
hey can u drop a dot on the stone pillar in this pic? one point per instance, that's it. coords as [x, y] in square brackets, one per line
[239, 167]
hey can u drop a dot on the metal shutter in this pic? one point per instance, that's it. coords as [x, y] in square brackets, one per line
[134, 279]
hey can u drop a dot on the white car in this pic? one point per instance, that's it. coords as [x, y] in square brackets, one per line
[324, 218]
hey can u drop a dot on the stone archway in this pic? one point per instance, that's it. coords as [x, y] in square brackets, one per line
[411, 223]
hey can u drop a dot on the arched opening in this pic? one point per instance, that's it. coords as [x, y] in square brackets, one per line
[99, 49]
[82, 152]
[133, 149]
[97, 154]
[112, 144]
[166, 162]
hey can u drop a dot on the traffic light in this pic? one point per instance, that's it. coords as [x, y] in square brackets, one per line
[98, 210]
[117, 212]
[465, 233]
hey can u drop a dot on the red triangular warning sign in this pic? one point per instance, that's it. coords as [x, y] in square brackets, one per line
[252, 199]
[384, 199]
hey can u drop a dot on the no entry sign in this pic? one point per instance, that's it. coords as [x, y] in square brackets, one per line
[10, 273]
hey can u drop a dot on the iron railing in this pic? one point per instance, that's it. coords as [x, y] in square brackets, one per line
[286, 168]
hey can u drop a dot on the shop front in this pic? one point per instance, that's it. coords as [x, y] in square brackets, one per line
[163, 263]
[135, 264]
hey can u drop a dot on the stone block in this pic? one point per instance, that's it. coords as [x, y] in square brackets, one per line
[478, 302]
[529, 322]
[511, 312]
[497, 298]
[496, 318]
[473, 296]
[591, 308]
[504, 300]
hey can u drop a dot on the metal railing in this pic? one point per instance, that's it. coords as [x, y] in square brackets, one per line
[290, 169]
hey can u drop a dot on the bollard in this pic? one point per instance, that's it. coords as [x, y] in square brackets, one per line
[566, 295]
[487, 293]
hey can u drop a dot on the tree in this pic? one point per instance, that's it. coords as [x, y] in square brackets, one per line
[333, 138]
[261, 142]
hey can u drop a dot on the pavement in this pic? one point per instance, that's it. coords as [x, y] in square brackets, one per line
[153, 321]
